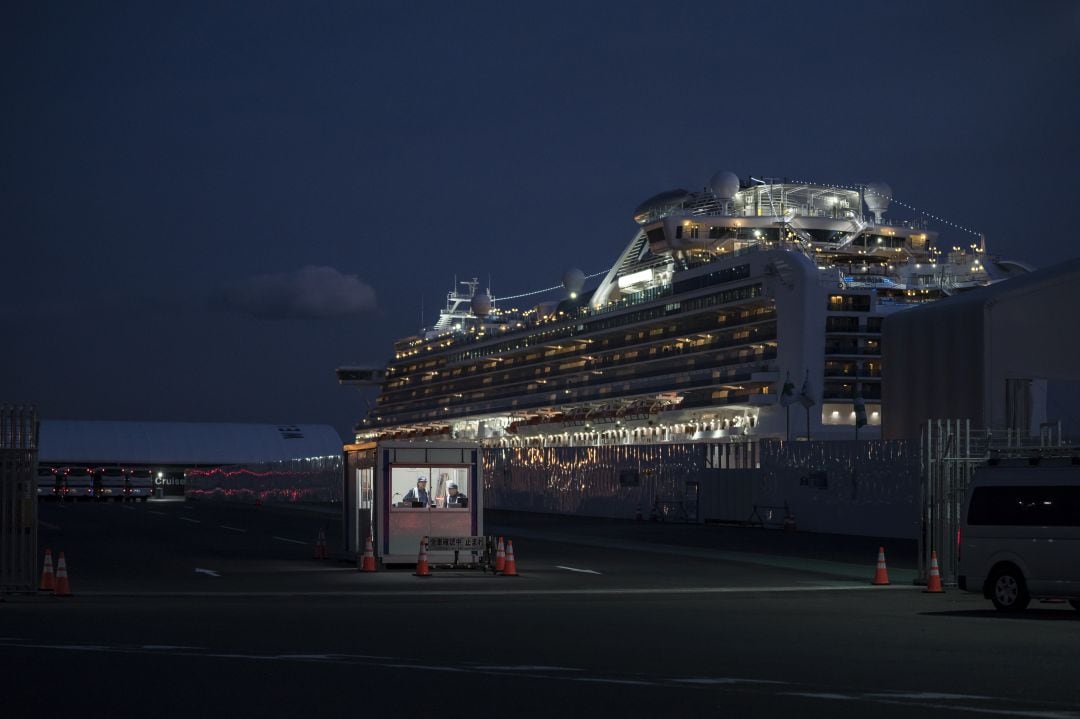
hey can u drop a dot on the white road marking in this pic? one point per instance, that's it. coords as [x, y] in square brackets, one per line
[167, 647]
[208, 572]
[509, 592]
[926, 695]
[725, 680]
[154, 511]
[293, 541]
[233, 529]
[527, 668]
[898, 700]
[1040, 711]
[129, 508]
[48, 525]
[575, 569]
[189, 519]
[820, 695]
[606, 680]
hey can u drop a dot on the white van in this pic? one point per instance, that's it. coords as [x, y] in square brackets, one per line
[1020, 534]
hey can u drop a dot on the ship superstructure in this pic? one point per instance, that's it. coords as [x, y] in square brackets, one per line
[742, 310]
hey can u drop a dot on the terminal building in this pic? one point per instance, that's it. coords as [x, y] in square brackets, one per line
[246, 462]
[993, 355]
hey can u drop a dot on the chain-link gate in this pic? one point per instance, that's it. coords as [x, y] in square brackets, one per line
[18, 499]
[950, 451]
[948, 460]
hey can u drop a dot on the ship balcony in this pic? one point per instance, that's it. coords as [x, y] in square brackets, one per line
[844, 392]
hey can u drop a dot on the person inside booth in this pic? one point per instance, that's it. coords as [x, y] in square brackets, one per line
[454, 498]
[418, 496]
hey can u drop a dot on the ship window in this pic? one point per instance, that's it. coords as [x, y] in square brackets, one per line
[841, 324]
[849, 303]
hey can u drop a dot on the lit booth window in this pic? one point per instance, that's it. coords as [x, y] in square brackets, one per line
[401, 492]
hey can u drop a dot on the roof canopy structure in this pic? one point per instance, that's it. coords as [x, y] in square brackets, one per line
[182, 443]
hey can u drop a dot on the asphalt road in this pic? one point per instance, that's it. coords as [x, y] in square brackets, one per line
[604, 621]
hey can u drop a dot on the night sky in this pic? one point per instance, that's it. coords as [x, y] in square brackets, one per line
[206, 208]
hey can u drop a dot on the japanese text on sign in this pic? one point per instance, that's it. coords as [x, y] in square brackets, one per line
[455, 542]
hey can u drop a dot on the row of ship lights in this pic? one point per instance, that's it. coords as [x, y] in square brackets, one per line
[447, 339]
[741, 423]
[976, 266]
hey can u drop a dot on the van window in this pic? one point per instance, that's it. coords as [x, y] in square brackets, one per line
[1029, 506]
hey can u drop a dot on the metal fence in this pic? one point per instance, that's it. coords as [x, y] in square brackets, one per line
[314, 479]
[658, 481]
[18, 498]
[857, 487]
[950, 452]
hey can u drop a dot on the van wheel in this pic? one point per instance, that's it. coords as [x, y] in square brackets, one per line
[1008, 591]
[1075, 604]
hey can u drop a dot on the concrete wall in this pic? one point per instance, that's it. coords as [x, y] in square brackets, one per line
[1031, 334]
[932, 366]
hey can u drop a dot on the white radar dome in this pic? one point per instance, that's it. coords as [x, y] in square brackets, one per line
[724, 184]
[481, 304]
[573, 280]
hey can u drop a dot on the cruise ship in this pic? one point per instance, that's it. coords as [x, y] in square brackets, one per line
[748, 309]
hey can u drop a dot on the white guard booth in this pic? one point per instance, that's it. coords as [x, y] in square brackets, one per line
[376, 497]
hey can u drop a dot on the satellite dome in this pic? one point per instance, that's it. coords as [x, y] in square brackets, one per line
[724, 184]
[878, 195]
[573, 280]
[481, 304]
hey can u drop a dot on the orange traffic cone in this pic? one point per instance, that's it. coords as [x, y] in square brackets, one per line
[48, 582]
[320, 545]
[367, 563]
[500, 556]
[510, 570]
[63, 589]
[881, 576]
[421, 561]
[934, 585]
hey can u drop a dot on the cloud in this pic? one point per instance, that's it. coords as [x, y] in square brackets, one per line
[311, 292]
